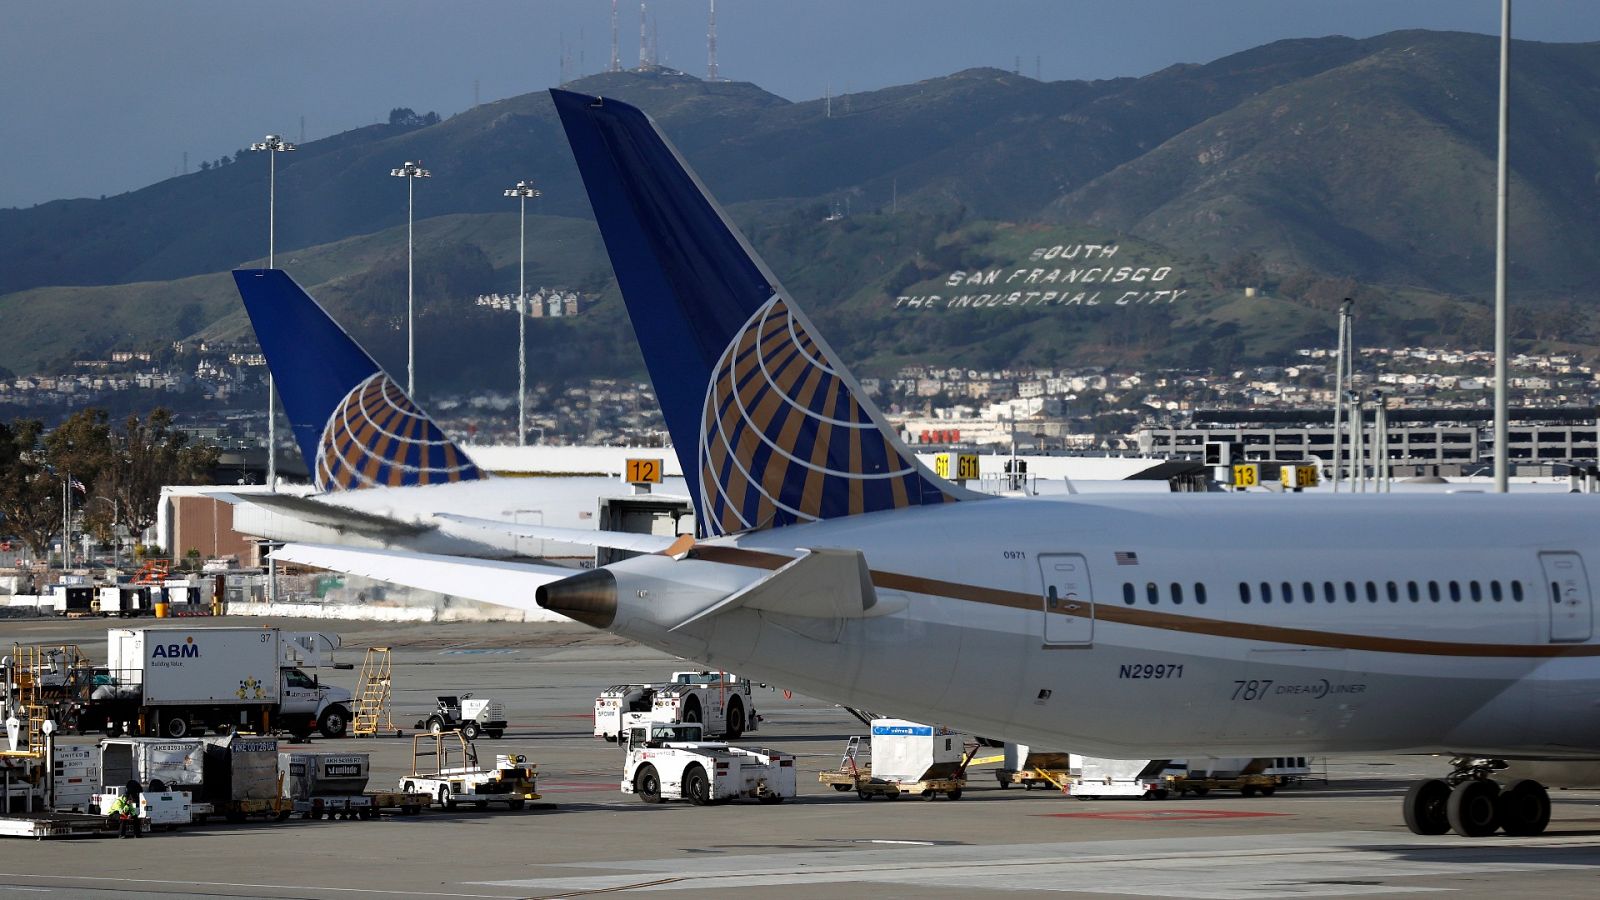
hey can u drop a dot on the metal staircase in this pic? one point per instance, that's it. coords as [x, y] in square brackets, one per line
[376, 686]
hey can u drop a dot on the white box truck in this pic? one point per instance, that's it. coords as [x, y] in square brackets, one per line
[175, 682]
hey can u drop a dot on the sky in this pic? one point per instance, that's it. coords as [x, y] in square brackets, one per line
[104, 96]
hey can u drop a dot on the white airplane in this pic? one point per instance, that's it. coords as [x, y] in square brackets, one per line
[381, 467]
[829, 561]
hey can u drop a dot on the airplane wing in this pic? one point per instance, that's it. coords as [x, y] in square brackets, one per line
[315, 512]
[615, 540]
[510, 584]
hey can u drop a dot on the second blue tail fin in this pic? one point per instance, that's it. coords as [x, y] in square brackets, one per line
[356, 428]
[770, 429]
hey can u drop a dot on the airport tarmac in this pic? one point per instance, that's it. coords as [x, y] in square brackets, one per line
[1344, 838]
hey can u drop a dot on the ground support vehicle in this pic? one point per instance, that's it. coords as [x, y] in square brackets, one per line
[176, 682]
[1093, 778]
[41, 825]
[1246, 785]
[722, 703]
[667, 761]
[907, 758]
[164, 809]
[468, 715]
[1034, 768]
[445, 768]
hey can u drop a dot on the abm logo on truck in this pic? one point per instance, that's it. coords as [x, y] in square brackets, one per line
[186, 650]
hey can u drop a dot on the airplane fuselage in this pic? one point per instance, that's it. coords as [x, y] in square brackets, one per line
[1141, 626]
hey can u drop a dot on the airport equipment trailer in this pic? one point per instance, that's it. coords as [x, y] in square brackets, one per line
[445, 767]
[907, 758]
[722, 703]
[672, 761]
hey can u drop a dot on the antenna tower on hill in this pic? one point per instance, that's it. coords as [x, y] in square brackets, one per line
[711, 44]
[616, 55]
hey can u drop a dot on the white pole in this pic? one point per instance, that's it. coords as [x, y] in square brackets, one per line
[522, 324]
[1338, 400]
[411, 326]
[272, 257]
[1502, 462]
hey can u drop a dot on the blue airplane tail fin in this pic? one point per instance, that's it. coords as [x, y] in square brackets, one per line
[356, 428]
[769, 428]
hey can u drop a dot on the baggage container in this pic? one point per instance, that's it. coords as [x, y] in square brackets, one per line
[305, 775]
[176, 762]
[240, 767]
[909, 751]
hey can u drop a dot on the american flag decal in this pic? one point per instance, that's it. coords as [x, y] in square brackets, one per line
[1127, 558]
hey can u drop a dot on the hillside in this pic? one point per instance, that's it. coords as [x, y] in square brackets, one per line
[1314, 169]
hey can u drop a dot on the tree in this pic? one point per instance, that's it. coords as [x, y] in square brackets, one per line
[30, 493]
[150, 453]
[80, 447]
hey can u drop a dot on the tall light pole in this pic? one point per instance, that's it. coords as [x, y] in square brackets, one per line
[272, 145]
[411, 171]
[1502, 409]
[522, 192]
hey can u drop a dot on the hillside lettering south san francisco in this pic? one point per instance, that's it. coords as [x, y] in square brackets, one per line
[1099, 281]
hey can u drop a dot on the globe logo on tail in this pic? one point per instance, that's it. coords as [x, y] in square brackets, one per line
[784, 440]
[377, 437]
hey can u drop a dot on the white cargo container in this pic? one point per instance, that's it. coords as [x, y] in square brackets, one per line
[909, 751]
[198, 666]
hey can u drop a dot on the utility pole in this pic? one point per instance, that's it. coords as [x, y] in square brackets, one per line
[411, 171]
[272, 145]
[1338, 392]
[522, 192]
[1502, 461]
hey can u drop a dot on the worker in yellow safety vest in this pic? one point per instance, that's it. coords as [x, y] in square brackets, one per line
[125, 815]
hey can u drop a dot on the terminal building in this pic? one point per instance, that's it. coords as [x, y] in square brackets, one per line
[1444, 442]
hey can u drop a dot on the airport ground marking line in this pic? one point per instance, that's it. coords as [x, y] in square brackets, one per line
[1261, 855]
[615, 889]
[237, 884]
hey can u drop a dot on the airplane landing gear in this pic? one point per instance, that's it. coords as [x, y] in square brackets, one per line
[1470, 803]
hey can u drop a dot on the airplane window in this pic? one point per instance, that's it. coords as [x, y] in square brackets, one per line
[1328, 593]
[1288, 592]
[1200, 593]
[1411, 591]
[1494, 590]
[1244, 592]
[1153, 593]
[1516, 591]
[1266, 592]
[1433, 591]
[1350, 591]
[1372, 592]
[1127, 593]
[1477, 591]
[1455, 592]
[1177, 592]
[1394, 592]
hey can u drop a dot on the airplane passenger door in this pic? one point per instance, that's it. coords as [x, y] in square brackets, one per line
[1567, 589]
[1068, 599]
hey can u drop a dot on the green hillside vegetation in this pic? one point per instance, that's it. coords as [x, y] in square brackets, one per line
[1311, 170]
